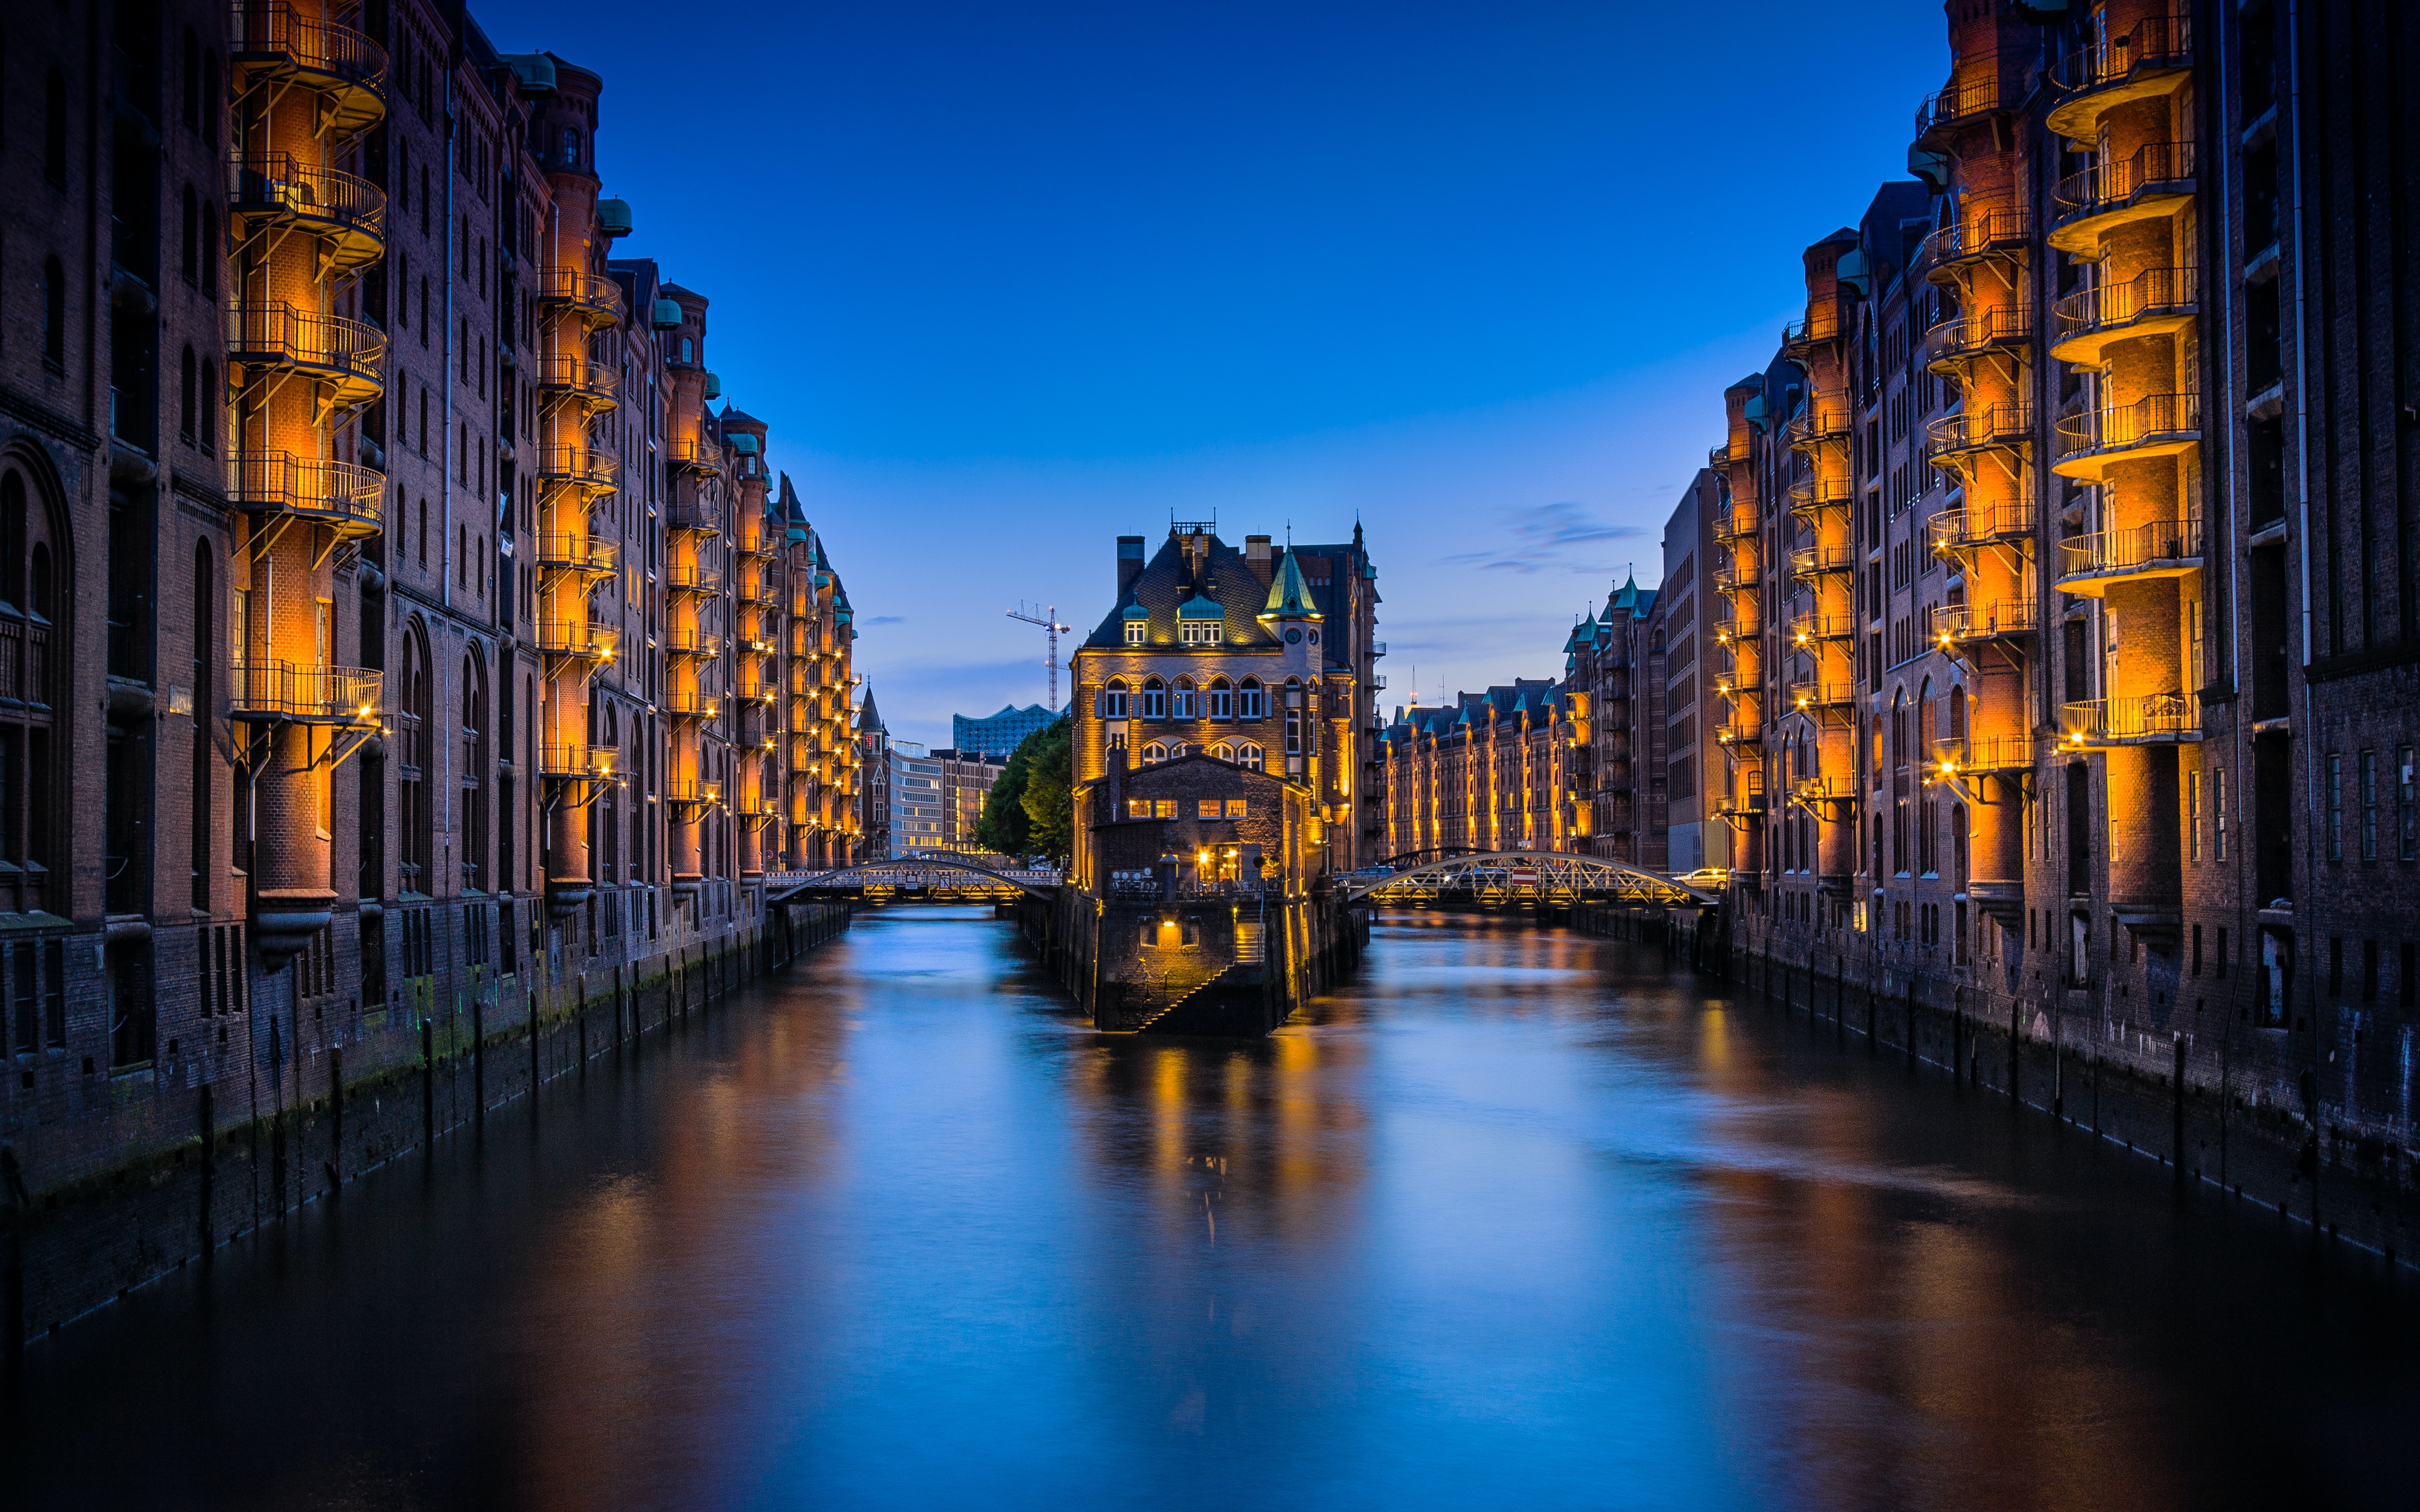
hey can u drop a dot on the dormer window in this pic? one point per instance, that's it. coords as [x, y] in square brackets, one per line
[1135, 630]
[1201, 632]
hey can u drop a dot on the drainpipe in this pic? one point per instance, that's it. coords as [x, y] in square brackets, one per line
[445, 485]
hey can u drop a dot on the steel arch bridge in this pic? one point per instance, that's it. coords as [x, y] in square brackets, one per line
[1524, 876]
[940, 877]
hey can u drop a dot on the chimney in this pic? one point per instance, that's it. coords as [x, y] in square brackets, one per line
[1129, 562]
[1256, 548]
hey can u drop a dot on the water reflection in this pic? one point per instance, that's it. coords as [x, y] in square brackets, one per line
[1517, 1218]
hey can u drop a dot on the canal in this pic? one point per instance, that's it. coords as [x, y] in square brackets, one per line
[1518, 1218]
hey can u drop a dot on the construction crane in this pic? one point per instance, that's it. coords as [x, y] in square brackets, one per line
[1048, 620]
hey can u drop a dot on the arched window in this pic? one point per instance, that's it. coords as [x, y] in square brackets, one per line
[210, 249]
[205, 661]
[1181, 701]
[1958, 713]
[473, 734]
[1113, 700]
[1219, 703]
[1223, 751]
[1249, 754]
[1899, 728]
[192, 230]
[31, 822]
[1175, 749]
[211, 399]
[54, 312]
[1154, 751]
[185, 394]
[1924, 722]
[1154, 699]
[1251, 704]
[419, 812]
[1297, 726]
[570, 147]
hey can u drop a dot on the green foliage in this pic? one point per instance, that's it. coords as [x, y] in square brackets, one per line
[1003, 829]
[1048, 798]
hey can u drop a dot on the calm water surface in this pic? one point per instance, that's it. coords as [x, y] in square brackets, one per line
[1516, 1219]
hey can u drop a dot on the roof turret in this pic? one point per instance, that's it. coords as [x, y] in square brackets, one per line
[1289, 595]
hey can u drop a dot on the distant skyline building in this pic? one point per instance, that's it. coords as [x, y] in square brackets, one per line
[998, 735]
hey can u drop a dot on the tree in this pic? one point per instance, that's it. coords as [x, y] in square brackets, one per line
[1048, 799]
[1003, 829]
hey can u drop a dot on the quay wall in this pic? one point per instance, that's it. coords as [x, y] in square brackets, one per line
[1204, 966]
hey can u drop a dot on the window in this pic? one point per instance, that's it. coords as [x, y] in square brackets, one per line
[1154, 700]
[192, 231]
[2193, 819]
[1250, 700]
[2336, 807]
[1163, 807]
[1250, 754]
[1113, 701]
[2369, 805]
[1207, 809]
[1154, 752]
[1235, 807]
[1218, 699]
[1175, 749]
[2404, 816]
[1223, 751]
[1135, 631]
[1181, 702]
[1138, 808]
[185, 394]
[209, 406]
[1200, 632]
[29, 614]
[2218, 818]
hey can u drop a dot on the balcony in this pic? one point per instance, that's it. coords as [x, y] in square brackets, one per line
[2156, 424]
[1995, 619]
[696, 454]
[580, 555]
[1820, 793]
[348, 357]
[759, 594]
[692, 644]
[1814, 694]
[350, 500]
[693, 705]
[1999, 331]
[688, 793]
[2159, 719]
[591, 469]
[2154, 302]
[1800, 337]
[1722, 456]
[1740, 732]
[577, 763]
[1738, 577]
[1811, 628]
[2153, 60]
[571, 376]
[577, 641]
[1747, 800]
[2088, 564]
[1745, 623]
[1983, 753]
[2153, 182]
[760, 542]
[1735, 522]
[1815, 561]
[345, 71]
[1958, 531]
[1961, 101]
[691, 579]
[1817, 423]
[1990, 229]
[691, 515]
[303, 693]
[2003, 427]
[596, 301]
[1811, 496]
[271, 190]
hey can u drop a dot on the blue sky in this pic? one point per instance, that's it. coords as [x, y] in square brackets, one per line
[1008, 281]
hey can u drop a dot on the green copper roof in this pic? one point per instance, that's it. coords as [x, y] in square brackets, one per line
[1134, 610]
[1289, 595]
[1199, 607]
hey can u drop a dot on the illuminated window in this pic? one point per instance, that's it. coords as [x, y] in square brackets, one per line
[1235, 807]
[1207, 809]
[1249, 755]
[1163, 808]
[1135, 630]
[1175, 749]
[1138, 808]
[1154, 752]
[1223, 751]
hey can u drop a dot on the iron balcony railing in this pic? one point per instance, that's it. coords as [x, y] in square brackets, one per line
[1983, 754]
[2155, 420]
[1720, 457]
[1807, 495]
[689, 578]
[1821, 692]
[577, 638]
[2112, 186]
[304, 692]
[1736, 575]
[1811, 791]
[599, 300]
[1816, 424]
[691, 643]
[573, 376]
[1739, 731]
[1747, 797]
[1986, 619]
[1983, 227]
[1821, 322]
[2157, 45]
[1806, 629]
[1960, 100]
[1979, 524]
[692, 793]
[2116, 554]
[591, 467]
[693, 705]
[691, 514]
[349, 210]
[577, 761]
[353, 499]
[2153, 294]
[1809, 560]
[2158, 717]
[1745, 623]
[1973, 332]
[1975, 430]
[593, 555]
[698, 454]
[350, 354]
[266, 38]
[1736, 521]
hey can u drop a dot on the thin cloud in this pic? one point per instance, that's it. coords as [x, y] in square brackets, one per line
[1541, 537]
[888, 619]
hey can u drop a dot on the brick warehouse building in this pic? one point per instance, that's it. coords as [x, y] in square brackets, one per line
[438, 628]
[2068, 551]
